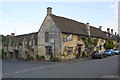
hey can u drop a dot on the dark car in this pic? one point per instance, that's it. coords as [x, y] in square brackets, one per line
[109, 52]
[98, 54]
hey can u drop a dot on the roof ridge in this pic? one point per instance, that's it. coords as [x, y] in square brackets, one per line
[68, 19]
[27, 34]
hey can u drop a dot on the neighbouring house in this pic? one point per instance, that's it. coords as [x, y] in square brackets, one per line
[59, 37]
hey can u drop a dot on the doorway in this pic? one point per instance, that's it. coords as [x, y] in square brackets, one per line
[49, 50]
[16, 54]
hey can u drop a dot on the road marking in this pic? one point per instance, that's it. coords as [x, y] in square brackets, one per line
[24, 70]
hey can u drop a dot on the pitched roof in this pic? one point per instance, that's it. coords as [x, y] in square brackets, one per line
[74, 27]
[27, 37]
[69, 26]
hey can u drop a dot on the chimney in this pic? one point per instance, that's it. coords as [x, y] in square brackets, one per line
[88, 28]
[49, 10]
[118, 35]
[108, 30]
[12, 34]
[111, 31]
[100, 27]
[115, 33]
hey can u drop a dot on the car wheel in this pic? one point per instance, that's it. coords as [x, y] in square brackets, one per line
[101, 57]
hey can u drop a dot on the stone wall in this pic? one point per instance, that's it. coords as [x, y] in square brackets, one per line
[54, 35]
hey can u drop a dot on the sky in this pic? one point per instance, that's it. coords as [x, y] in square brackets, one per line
[27, 17]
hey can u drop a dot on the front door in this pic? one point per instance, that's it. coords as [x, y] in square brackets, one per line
[79, 50]
[49, 51]
[16, 54]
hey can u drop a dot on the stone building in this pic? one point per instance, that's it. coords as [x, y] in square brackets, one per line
[21, 46]
[59, 37]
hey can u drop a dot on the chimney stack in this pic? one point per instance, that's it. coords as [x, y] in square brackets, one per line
[100, 27]
[12, 34]
[118, 35]
[111, 31]
[49, 10]
[108, 30]
[88, 28]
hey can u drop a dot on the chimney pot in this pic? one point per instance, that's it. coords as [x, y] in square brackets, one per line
[111, 31]
[115, 33]
[12, 34]
[108, 30]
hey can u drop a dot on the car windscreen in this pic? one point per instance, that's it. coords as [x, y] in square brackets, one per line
[108, 50]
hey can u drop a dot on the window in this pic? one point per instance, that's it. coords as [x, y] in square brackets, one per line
[46, 37]
[79, 38]
[70, 50]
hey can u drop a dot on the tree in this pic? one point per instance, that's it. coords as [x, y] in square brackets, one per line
[109, 44]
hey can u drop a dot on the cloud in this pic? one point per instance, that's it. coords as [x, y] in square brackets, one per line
[114, 23]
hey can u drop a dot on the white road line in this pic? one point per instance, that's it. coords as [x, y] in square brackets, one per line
[24, 70]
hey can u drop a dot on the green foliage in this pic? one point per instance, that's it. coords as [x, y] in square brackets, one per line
[83, 53]
[109, 44]
[89, 40]
[2, 38]
[77, 56]
[83, 38]
[29, 58]
[53, 59]
[95, 42]
[42, 57]
[37, 56]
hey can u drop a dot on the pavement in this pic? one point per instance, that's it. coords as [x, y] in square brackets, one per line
[77, 68]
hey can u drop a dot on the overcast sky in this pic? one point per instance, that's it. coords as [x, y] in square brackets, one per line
[27, 17]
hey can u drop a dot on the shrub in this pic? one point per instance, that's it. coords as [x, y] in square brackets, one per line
[109, 44]
[37, 56]
[42, 57]
[55, 59]
[29, 58]
[77, 56]
[83, 54]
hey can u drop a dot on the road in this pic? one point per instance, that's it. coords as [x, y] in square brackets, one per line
[93, 68]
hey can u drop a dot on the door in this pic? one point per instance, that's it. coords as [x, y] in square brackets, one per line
[16, 54]
[11, 56]
[49, 51]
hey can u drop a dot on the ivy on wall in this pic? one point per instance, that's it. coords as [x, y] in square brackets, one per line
[109, 44]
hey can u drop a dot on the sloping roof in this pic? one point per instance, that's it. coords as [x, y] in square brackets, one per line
[74, 27]
[96, 32]
[69, 26]
[19, 38]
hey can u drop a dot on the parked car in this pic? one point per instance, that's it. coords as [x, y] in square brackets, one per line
[98, 54]
[109, 52]
[117, 51]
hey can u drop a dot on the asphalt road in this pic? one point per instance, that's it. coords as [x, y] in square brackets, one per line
[93, 68]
